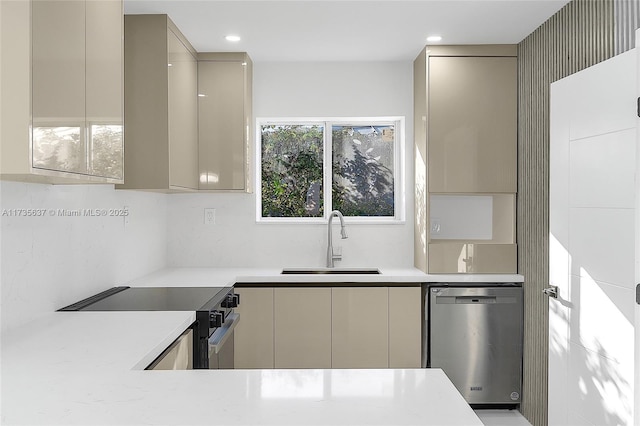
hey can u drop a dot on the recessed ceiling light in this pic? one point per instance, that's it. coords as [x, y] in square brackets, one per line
[232, 38]
[434, 38]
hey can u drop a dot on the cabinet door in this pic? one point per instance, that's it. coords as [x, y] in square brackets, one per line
[178, 356]
[405, 327]
[58, 84]
[360, 327]
[104, 83]
[253, 336]
[472, 124]
[221, 90]
[183, 114]
[469, 258]
[302, 327]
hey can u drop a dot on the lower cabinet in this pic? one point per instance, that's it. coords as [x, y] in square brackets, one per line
[178, 356]
[405, 327]
[302, 327]
[329, 327]
[360, 327]
[253, 336]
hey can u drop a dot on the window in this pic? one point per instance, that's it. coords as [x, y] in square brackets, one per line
[358, 160]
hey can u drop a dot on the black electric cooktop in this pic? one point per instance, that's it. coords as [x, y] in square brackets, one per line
[153, 299]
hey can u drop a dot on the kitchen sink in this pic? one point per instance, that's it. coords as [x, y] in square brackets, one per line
[331, 271]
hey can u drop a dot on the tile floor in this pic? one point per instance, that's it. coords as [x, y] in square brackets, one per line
[502, 418]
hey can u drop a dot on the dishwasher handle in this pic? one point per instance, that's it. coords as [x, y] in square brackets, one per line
[217, 339]
[475, 300]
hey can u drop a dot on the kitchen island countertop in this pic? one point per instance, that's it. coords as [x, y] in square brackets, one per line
[85, 368]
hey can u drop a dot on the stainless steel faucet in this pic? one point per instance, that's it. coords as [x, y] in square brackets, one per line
[331, 256]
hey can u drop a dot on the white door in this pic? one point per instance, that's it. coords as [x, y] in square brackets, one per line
[592, 245]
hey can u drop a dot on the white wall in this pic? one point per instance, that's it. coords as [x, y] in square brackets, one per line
[51, 261]
[592, 245]
[301, 89]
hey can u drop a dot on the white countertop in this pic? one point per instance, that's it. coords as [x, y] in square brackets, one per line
[87, 368]
[220, 277]
[77, 368]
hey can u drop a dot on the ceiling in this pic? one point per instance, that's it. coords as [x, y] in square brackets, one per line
[342, 30]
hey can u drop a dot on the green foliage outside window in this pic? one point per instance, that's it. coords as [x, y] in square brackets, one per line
[292, 167]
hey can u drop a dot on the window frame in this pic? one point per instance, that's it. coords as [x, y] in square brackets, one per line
[327, 167]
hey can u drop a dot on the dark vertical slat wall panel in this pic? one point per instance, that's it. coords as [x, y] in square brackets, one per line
[578, 36]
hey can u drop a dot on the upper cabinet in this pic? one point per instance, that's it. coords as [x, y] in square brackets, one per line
[225, 128]
[62, 81]
[472, 120]
[161, 106]
[187, 114]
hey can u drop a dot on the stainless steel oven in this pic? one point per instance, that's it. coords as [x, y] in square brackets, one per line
[212, 332]
[221, 347]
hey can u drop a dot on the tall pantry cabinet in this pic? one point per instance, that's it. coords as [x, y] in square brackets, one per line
[62, 91]
[465, 106]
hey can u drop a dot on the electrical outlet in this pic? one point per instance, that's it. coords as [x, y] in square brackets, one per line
[209, 216]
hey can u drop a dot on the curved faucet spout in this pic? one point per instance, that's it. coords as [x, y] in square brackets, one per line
[331, 256]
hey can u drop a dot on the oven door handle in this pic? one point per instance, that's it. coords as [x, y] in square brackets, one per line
[217, 339]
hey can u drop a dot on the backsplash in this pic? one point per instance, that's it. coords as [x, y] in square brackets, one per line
[70, 250]
[237, 240]
[302, 89]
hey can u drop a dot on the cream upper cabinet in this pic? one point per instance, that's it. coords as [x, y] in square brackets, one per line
[360, 327]
[225, 121]
[104, 88]
[62, 82]
[472, 123]
[183, 113]
[254, 334]
[302, 327]
[161, 104]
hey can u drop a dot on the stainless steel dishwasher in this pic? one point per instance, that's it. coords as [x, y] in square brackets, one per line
[474, 334]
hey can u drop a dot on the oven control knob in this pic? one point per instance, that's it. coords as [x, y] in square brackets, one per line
[231, 301]
[216, 318]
